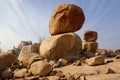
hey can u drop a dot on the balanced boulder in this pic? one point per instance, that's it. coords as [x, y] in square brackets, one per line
[66, 18]
[61, 46]
[90, 36]
[89, 46]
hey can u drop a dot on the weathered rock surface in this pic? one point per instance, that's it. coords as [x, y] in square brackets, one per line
[90, 36]
[40, 68]
[7, 59]
[28, 58]
[89, 46]
[97, 60]
[66, 18]
[7, 74]
[20, 73]
[61, 46]
[27, 53]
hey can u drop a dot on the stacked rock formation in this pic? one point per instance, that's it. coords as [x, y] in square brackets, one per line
[63, 42]
[89, 46]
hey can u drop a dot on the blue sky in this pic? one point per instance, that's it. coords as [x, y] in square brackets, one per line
[29, 20]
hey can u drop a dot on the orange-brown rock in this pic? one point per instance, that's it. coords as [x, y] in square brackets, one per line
[90, 36]
[61, 46]
[66, 18]
[89, 46]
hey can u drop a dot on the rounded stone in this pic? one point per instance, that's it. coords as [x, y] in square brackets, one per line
[66, 18]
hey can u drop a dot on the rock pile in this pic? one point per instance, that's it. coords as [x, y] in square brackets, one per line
[89, 46]
[45, 60]
[63, 42]
[61, 46]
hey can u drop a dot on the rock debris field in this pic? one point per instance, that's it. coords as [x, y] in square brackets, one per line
[63, 55]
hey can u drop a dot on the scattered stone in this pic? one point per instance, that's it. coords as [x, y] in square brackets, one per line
[61, 46]
[7, 74]
[90, 36]
[7, 59]
[20, 73]
[66, 18]
[28, 58]
[97, 60]
[40, 68]
[61, 62]
[117, 57]
[108, 60]
[107, 71]
[77, 63]
[89, 46]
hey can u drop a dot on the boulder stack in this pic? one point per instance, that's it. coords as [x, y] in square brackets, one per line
[90, 45]
[63, 42]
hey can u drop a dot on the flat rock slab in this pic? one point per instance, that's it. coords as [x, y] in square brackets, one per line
[104, 77]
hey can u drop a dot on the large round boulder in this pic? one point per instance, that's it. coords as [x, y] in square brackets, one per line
[66, 18]
[61, 46]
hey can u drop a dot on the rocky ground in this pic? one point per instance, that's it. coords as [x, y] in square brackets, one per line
[104, 65]
[63, 55]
